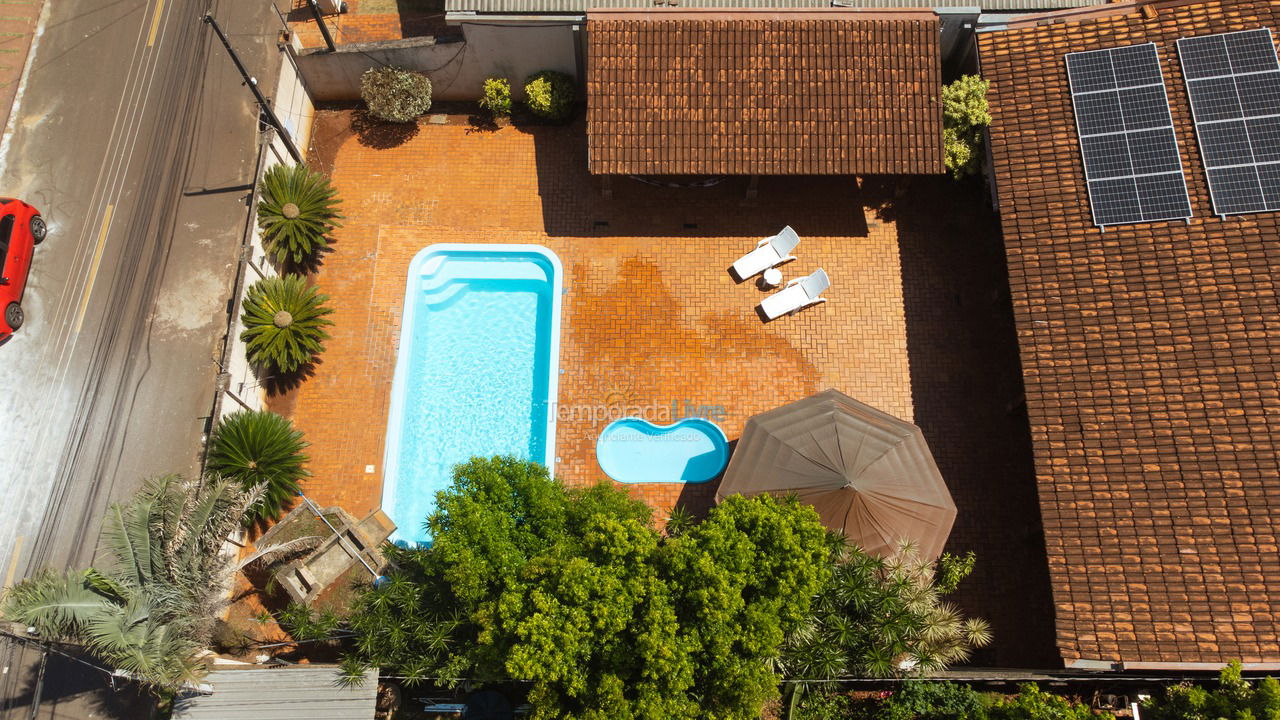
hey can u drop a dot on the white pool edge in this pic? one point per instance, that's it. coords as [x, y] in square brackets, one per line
[391, 440]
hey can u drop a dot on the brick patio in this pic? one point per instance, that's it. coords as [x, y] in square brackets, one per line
[651, 316]
[367, 21]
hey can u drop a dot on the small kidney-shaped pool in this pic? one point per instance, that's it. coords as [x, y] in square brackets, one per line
[632, 450]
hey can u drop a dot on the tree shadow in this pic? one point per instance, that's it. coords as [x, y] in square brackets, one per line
[309, 265]
[482, 123]
[379, 134]
[69, 687]
[281, 383]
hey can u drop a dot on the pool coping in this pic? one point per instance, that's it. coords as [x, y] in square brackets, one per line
[390, 453]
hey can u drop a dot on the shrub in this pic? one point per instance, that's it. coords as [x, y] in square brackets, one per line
[1032, 703]
[298, 210]
[549, 94]
[883, 617]
[919, 700]
[395, 94]
[1234, 697]
[306, 625]
[823, 706]
[259, 448]
[284, 321]
[497, 96]
[964, 115]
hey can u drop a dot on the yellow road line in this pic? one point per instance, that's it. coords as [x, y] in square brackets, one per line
[13, 562]
[155, 23]
[93, 269]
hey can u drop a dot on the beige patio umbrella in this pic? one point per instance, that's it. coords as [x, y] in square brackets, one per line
[865, 472]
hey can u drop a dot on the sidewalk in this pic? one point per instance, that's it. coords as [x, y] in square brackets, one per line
[18, 23]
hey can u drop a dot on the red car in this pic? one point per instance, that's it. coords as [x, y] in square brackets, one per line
[21, 229]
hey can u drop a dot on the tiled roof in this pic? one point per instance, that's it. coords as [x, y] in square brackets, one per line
[1149, 355]
[812, 92]
[581, 6]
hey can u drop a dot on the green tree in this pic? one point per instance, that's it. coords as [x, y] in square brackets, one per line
[881, 617]
[964, 115]
[576, 592]
[152, 609]
[744, 578]
[284, 320]
[258, 448]
[297, 212]
[1234, 699]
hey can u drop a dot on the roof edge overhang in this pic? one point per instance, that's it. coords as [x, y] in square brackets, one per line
[834, 13]
[1129, 665]
[1092, 12]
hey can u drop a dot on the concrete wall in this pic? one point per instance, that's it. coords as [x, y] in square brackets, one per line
[457, 68]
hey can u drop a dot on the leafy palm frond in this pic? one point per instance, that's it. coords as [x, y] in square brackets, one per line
[57, 605]
[150, 614]
[298, 211]
[260, 448]
[285, 323]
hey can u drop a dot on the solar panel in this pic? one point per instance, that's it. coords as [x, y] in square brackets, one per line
[1130, 152]
[1233, 81]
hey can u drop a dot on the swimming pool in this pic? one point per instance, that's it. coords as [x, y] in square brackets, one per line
[476, 372]
[634, 450]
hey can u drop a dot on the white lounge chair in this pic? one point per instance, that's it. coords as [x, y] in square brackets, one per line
[769, 252]
[800, 292]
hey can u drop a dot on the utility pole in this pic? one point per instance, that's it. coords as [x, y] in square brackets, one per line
[257, 94]
[324, 29]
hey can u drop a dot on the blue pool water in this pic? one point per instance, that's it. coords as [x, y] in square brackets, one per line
[632, 450]
[476, 372]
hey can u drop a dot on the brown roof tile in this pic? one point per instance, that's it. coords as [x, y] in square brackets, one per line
[1148, 360]
[818, 92]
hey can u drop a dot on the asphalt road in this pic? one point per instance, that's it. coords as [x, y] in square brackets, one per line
[135, 137]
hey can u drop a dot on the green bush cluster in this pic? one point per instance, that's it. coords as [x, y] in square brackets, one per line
[964, 115]
[395, 94]
[549, 94]
[1234, 699]
[926, 700]
[496, 96]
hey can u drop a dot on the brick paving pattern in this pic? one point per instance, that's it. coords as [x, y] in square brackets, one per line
[1149, 361]
[651, 315]
[18, 19]
[367, 21]
[770, 92]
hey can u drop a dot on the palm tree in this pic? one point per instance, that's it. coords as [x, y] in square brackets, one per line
[259, 448]
[882, 617]
[153, 611]
[298, 211]
[284, 320]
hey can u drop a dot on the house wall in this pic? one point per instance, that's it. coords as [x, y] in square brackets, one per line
[457, 68]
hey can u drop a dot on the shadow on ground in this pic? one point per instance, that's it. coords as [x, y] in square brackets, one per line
[966, 385]
[574, 201]
[73, 687]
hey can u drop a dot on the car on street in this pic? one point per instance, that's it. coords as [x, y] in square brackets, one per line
[21, 229]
